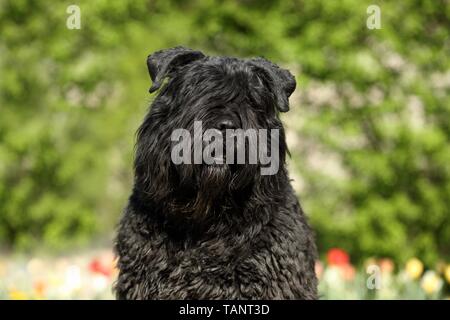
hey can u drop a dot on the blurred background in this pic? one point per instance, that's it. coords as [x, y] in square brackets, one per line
[368, 131]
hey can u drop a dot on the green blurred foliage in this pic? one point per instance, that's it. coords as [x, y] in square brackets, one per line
[369, 121]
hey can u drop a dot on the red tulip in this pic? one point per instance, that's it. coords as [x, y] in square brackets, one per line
[337, 257]
[96, 266]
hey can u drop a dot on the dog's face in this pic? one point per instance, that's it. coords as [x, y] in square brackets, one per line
[222, 95]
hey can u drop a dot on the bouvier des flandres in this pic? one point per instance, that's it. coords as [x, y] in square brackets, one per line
[213, 231]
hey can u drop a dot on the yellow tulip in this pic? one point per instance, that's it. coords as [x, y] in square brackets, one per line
[17, 295]
[431, 282]
[414, 268]
[447, 273]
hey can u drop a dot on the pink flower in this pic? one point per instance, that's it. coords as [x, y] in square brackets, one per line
[386, 265]
[319, 269]
[348, 272]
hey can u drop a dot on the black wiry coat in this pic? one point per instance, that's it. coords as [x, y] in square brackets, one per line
[213, 232]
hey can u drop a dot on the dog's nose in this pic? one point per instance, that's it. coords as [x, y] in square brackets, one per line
[226, 124]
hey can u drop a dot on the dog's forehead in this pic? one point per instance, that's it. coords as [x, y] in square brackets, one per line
[220, 65]
[220, 61]
[225, 60]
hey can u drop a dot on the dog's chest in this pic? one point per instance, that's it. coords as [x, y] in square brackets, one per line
[213, 270]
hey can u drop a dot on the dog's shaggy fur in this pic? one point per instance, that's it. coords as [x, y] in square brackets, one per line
[213, 231]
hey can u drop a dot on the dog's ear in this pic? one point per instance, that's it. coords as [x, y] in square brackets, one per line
[161, 63]
[281, 80]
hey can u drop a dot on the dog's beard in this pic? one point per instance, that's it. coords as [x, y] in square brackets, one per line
[207, 190]
[213, 181]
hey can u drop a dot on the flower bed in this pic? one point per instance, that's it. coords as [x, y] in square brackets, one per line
[379, 279]
[90, 275]
[84, 276]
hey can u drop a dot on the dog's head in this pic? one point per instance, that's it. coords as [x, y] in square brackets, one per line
[219, 107]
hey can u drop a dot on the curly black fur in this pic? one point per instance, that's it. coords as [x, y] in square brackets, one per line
[213, 231]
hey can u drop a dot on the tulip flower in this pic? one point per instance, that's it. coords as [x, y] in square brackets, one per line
[96, 266]
[414, 268]
[447, 273]
[386, 265]
[431, 282]
[337, 257]
[39, 288]
[17, 295]
[318, 269]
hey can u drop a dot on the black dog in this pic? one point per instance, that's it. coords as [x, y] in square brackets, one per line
[220, 231]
